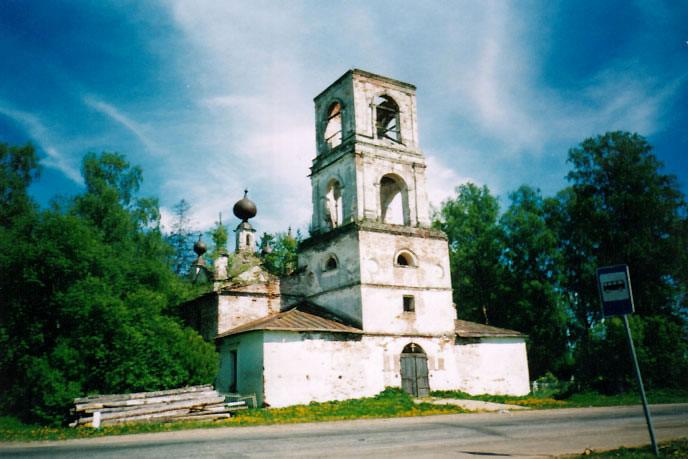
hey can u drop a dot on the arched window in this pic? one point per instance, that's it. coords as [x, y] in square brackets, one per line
[393, 200]
[387, 118]
[334, 214]
[331, 264]
[333, 125]
[405, 258]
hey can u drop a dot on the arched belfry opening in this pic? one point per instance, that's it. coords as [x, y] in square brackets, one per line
[414, 371]
[387, 118]
[333, 125]
[334, 212]
[394, 207]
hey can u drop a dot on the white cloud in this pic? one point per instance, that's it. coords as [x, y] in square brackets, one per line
[139, 130]
[40, 134]
[257, 67]
[441, 181]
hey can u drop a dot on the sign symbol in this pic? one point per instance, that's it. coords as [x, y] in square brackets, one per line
[614, 285]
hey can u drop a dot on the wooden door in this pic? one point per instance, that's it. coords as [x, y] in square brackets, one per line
[414, 371]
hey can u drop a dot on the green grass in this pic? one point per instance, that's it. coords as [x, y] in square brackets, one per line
[581, 399]
[387, 404]
[674, 449]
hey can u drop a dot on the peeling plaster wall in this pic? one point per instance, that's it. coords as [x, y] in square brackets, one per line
[362, 158]
[373, 164]
[289, 368]
[245, 304]
[493, 366]
[343, 170]
[383, 311]
[439, 351]
[385, 283]
[335, 290]
[305, 367]
[366, 88]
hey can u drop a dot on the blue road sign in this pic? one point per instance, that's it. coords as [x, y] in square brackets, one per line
[614, 284]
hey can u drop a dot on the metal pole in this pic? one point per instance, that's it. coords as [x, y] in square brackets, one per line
[646, 409]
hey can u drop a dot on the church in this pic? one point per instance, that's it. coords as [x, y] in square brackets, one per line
[369, 304]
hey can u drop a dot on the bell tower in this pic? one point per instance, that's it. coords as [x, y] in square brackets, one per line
[368, 164]
[372, 257]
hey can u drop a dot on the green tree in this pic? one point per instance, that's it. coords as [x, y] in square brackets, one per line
[624, 210]
[620, 209]
[279, 252]
[18, 168]
[475, 247]
[531, 299]
[86, 291]
[181, 238]
[220, 236]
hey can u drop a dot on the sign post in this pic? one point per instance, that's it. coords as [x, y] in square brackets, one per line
[614, 284]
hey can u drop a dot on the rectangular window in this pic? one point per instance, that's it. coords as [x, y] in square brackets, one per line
[409, 304]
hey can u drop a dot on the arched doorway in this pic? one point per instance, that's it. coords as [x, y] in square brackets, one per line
[414, 371]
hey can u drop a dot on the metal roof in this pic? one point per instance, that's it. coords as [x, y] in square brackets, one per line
[465, 329]
[293, 320]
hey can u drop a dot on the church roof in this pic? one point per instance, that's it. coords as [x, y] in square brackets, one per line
[465, 329]
[293, 320]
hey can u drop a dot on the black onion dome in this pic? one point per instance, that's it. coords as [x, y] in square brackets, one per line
[199, 247]
[245, 208]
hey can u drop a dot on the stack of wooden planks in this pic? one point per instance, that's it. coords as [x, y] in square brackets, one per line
[186, 404]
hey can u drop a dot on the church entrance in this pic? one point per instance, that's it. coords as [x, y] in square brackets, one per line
[414, 371]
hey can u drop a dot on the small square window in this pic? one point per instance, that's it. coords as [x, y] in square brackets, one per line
[409, 303]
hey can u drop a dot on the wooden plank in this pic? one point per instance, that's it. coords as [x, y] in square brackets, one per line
[174, 417]
[143, 400]
[136, 395]
[87, 422]
[162, 407]
[100, 406]
[146, 417]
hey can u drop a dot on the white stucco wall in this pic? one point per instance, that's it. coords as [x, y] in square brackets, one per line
[300, 368]
[439, 351]
[385, 283]
[289, 368]
[383, 311]
[493, 366]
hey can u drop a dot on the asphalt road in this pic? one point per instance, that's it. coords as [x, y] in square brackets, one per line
[514, 434]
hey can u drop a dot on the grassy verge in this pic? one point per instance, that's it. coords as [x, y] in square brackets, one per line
[389, 403]
[674, 448]
[582, 399]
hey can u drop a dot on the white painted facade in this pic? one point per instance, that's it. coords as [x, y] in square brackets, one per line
[377, 275]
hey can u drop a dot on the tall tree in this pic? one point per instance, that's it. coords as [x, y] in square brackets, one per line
[18, 168]
[85, 295]
[621, 209]
[181, 238]
[475, 247]
[531, 300]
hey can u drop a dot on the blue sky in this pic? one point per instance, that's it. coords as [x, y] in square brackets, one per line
[211, 97]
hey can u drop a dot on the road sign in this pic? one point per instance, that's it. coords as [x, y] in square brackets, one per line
[614, 284]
